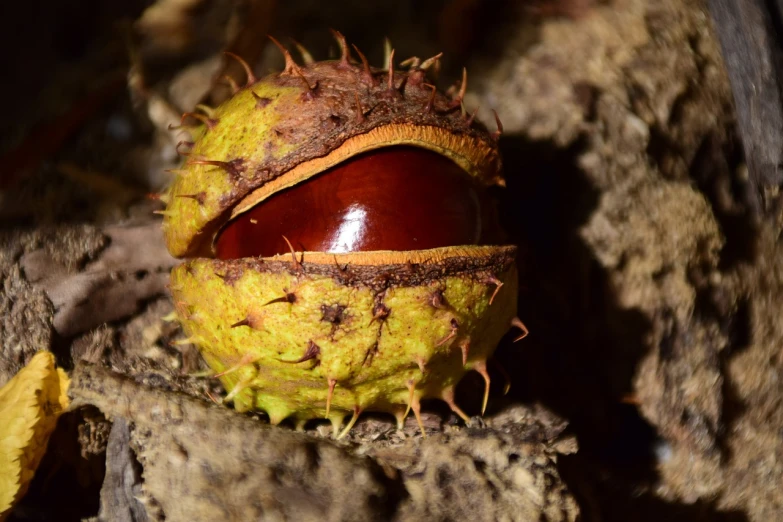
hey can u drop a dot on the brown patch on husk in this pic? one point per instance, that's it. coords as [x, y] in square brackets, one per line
[466, 152]
[381, 269]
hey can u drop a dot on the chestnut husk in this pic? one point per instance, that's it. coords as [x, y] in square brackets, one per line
[313, 334]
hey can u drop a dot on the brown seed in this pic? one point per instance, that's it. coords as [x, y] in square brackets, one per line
[399, 198]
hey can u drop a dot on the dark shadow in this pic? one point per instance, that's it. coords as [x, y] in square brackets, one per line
[738, 327]
[714, 169]
[583, 350]
[67, 485]
[606, 498]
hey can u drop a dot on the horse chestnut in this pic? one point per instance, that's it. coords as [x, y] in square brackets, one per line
[339, 242]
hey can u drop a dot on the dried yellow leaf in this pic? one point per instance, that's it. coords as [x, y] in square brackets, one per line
[29, 406]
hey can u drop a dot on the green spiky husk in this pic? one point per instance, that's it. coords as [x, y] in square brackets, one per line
[372, 360]
[381, 330]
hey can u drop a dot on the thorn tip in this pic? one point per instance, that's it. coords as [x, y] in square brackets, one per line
[448, 397]
[185, 143]
[251, 78]
[497, 133]
[517, 323]
[391, 71]
[465, 349]
[492, 280]
[297, 263]
[481, 368]
[209, 122]
[231, 83]
[431, 99]
[330, 393]
[311, 352]
[454, 327]
[504, 373]
[345, 52]
[307, 58]
[457, 101]
[366, 75]
[354, 418]
[290, 65]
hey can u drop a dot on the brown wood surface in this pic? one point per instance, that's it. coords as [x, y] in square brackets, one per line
[750, 33]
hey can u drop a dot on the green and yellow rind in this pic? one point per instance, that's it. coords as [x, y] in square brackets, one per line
[373, 361]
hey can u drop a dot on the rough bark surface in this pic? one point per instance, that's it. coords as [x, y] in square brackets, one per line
[647, 245]
[204, 462]
[122, 486]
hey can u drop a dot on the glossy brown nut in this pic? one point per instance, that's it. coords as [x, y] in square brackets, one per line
[398, 198]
